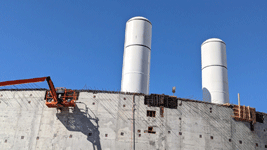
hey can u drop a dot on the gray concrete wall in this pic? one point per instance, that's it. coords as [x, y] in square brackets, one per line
[105, 121]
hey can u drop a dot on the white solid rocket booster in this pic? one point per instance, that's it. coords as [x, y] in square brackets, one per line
[214, 71]
[136, 57]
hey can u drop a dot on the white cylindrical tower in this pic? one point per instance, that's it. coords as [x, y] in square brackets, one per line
[214, 71]
[136, 57]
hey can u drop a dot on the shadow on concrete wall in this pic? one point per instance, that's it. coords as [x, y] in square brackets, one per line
[206, 95]
[81, 120]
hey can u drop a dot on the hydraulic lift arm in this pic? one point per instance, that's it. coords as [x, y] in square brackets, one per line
[52, 89]
[54, 97]
[23, 81]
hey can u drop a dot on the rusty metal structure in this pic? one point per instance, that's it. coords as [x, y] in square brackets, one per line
[157, 100]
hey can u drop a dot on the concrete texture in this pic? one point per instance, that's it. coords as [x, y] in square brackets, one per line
[105, 121]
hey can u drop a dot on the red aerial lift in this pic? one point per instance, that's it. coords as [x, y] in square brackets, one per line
[56, 98]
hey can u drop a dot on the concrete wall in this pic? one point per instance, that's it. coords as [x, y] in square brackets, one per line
[105, 121]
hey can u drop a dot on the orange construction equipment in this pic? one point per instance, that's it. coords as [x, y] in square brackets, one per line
[56, 97]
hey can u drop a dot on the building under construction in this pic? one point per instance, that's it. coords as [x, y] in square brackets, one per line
[133, 119]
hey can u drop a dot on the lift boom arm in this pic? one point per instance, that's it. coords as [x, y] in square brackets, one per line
[23, 81]
[33, 80]
[52, 88]
[67, 99]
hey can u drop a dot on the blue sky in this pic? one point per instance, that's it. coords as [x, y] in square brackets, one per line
[80, 43]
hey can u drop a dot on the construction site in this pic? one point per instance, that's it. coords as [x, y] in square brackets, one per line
[131, 119]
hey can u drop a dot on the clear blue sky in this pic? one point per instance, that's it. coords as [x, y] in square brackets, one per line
[81, 42]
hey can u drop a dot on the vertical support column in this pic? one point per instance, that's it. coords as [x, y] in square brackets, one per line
[239, 105]
[133, 122]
